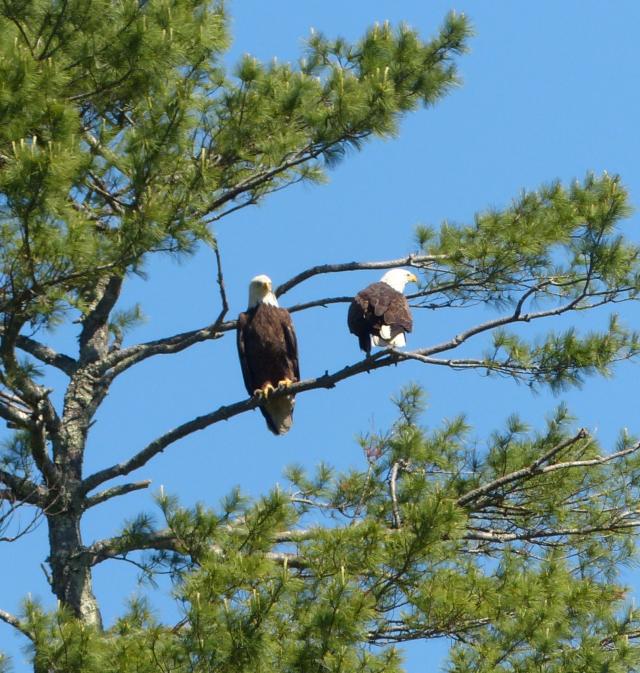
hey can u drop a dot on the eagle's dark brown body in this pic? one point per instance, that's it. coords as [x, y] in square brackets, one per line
[376, 307]
[268, 353]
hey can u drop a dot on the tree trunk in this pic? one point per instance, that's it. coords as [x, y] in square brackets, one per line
[70, 567]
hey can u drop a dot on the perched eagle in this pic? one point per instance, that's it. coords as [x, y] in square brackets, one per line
[379, 315]
[268, 354]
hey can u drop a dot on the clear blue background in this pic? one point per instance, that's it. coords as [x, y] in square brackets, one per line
[550, 91]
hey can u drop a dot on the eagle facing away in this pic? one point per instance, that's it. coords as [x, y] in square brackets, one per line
[268, 353]
[379, 315]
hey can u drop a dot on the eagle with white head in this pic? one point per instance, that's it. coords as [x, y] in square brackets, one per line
[268, 352]
[379, 315]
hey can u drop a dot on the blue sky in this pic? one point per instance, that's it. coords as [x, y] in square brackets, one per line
[550, 91]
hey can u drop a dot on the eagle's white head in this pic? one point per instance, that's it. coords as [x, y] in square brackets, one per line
[398, 278]
[261, 292]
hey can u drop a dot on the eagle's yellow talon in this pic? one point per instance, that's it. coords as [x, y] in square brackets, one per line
[264, 392]
[284, 384]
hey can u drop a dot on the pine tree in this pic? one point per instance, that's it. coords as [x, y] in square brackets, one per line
[122, 136]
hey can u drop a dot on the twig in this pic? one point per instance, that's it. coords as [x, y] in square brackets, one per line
[223, 294]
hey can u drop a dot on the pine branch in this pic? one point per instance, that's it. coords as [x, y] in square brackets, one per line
[15, 415]
[115, 492]
[399, 633]
[118, 547]
[261, 177]
[109, 548]
[481, 535]
[47, 355]
[532, 470]
[10, 619]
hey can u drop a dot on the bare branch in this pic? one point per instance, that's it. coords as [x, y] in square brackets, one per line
[115, 492]
[12, 620]
[397, 633]
[15, 415]
[418, 261]
[46, 354]
[123, 359]
[6, 519]
[160, 444]
[124, 544]
[261, 177]
[223, 294]
[319, 303]
[24, 489]
[33, 395]
[119, 361]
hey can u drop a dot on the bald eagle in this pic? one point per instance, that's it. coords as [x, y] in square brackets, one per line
[379, 315]
[268, 354]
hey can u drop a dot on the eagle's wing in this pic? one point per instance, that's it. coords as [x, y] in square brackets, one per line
[242, 353]
[358, 323]
[291, 342]
[389, 304]
[398, 315]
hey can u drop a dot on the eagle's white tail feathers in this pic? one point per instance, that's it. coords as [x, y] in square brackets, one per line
[280, 412]
[398, 340]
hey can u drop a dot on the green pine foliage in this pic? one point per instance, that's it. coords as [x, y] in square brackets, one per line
[124, 134]
[512, 550]
[552, 251]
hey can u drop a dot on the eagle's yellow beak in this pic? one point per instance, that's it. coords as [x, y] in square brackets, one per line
[411, 278]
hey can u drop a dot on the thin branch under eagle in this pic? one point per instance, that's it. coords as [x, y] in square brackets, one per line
[383, 358]
[120, 360]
